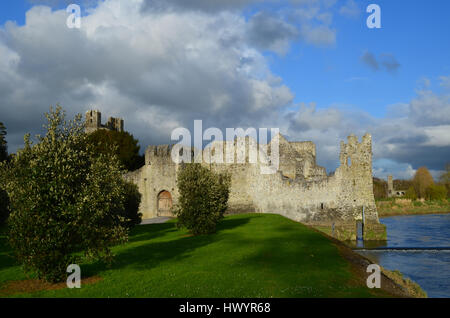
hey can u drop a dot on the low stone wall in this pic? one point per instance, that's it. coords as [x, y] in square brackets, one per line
[348, 231]
[375, 232]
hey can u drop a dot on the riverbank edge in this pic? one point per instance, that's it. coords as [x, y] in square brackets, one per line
[399, 213]
[392, 282]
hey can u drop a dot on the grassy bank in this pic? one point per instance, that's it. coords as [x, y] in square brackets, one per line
[398, 206]
[251, 255]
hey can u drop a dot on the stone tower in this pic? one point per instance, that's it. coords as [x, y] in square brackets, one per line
[94, 122]
[355, 176]
[115, 124]
[390, 186]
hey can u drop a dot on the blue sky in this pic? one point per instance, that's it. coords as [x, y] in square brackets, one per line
[415, 32]
[361, 73]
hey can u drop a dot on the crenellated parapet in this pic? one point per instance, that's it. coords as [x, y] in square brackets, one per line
[357, 153]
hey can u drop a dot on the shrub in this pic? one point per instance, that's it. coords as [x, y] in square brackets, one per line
[63, 200]
[203, 198]
[421, 181]
[4, 206]
[121, 143]
[436, 192]
[379, 189]
[444, 179]
[411, 193]
[130, 211]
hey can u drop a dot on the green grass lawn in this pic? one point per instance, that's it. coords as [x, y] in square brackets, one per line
[251, 255]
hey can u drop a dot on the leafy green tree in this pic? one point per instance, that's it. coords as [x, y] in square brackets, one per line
[401, 184]
[4, 199]
[436, 192]
[203, 198]
[411, 193]
[4, 206]
[3, 143]
[130, 211]
[379, 188]
[421, 181]
[65, 199]
[121, 144]
[444, 179]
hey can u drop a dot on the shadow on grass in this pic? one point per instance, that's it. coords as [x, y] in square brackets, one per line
[6, 254]
[150, 231]
[151, 254]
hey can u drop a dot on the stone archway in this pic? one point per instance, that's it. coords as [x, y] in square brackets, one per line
[164, 203]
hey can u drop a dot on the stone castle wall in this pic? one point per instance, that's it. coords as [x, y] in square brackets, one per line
[300, 189]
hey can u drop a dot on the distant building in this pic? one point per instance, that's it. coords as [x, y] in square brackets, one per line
[94, 122]
[391, 191]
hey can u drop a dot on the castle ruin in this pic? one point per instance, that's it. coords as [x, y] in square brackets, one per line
[93, 122]
[300, 189]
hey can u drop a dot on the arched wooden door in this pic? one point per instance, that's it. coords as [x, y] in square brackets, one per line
[165, 204]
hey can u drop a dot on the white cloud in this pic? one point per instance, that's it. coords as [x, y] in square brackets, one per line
[438, 136]
[350, 9]
[445, 82]
[429, 108]
[268, 32]
[156, 69]
[318, 35]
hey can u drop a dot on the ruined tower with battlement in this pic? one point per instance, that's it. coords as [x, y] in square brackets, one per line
[93, 122]
[300, 189]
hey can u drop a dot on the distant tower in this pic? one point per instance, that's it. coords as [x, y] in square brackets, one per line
[93, 121]
[390, 186]
[115, 124]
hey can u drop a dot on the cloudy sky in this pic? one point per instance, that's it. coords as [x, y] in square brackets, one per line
[309, 67]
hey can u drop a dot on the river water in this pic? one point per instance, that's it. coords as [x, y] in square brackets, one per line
[414, 237]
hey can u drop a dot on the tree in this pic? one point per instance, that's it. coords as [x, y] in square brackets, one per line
[123, 145]
[421, 181]
[411, 193]
[436, 192]
[203, 198]
[65, 199]
[130, 211]
[379, 188]
[4, 206]
[401, 184]
[4, 199]
[3, 143]
[444, 179]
